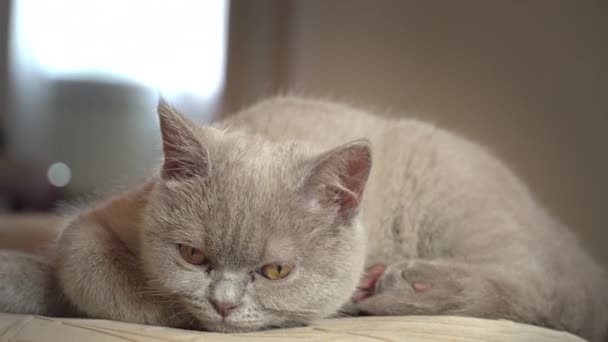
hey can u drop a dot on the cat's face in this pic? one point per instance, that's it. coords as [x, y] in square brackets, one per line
[250, 234]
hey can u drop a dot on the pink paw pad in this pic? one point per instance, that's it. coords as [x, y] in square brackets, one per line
[419, 286]
[368, 284]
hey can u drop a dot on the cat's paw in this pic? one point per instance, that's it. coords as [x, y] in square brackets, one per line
[366, 288]
[412, 275]
[415, 287]
[368, 284]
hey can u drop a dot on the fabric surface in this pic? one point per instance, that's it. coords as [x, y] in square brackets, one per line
[406, 328]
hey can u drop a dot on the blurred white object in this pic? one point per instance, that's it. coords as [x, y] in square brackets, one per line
[173, 46]
[86, 77]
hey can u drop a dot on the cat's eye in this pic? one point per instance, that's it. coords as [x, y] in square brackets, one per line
[275, 271]
[192, 255]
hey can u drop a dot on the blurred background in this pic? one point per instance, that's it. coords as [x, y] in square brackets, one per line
[80, 80]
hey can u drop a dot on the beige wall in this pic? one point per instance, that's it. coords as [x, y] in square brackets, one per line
[529, 79]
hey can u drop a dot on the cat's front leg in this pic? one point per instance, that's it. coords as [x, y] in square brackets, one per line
[434, 287]
[102, 278]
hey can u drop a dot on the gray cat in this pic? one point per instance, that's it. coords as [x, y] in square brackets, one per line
[276, 217]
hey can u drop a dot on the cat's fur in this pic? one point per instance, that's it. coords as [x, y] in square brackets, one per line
[285, 181]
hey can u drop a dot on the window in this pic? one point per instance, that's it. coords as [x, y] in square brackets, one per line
[175, 46]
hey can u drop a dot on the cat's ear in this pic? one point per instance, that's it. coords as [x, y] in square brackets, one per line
[338, 178]
[184, 154]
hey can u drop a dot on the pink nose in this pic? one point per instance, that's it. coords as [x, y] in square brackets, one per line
[223, 308]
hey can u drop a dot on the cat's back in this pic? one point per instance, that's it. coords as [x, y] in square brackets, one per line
[421, 175]
[416, 167]
[402, 149]
[324, 125]
[291, 118]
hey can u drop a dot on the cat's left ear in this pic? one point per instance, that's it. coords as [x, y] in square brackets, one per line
[338, 178]
[184, 154]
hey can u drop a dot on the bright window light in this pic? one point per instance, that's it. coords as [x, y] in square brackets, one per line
[174, 46]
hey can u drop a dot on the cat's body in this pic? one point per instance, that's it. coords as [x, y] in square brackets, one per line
[434, 199]
[458, 232]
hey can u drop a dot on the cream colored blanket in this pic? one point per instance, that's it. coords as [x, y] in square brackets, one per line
[407, 328]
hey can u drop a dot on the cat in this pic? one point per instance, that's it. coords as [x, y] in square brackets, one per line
[294, 209]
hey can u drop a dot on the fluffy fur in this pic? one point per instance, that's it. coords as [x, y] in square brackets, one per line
[291, 180]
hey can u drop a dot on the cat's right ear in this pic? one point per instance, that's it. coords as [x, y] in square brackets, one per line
[338, 178]
[185, 155]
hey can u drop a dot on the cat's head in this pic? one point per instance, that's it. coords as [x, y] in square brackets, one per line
[251, 234]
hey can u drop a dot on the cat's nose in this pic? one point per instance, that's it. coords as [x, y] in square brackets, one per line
[223, 308]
